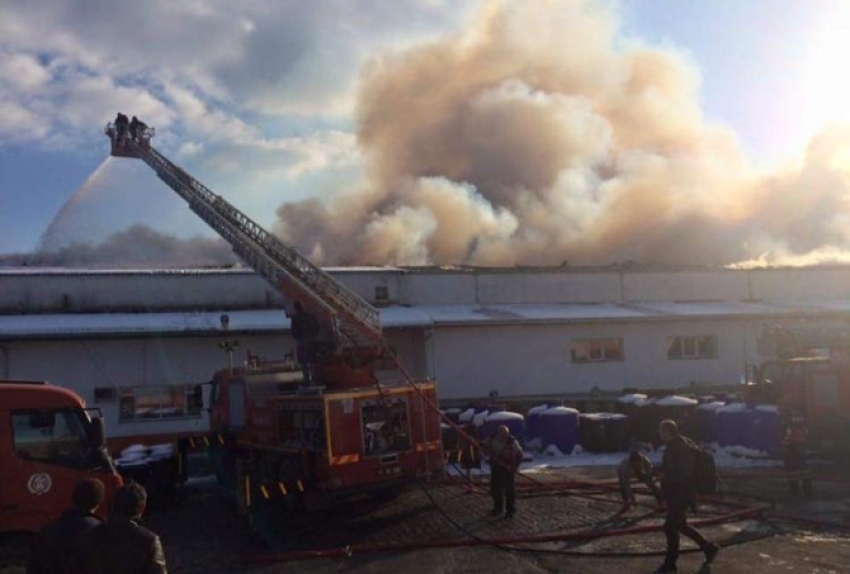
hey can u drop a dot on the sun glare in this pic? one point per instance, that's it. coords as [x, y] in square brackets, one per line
[826, 79]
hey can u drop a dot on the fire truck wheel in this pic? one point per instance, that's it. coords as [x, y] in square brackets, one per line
[13, 555]
[240, 474]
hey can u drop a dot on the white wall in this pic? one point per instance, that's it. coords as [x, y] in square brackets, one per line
[535, 359]
[83, 364]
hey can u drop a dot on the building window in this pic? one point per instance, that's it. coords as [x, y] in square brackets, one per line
[160, 402]
[104, 395]
[596, 350]
[382, 293]
[703, 347]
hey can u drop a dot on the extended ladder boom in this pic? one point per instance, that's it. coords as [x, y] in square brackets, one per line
[355, 320]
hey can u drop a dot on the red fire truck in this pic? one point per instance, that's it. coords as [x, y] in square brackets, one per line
[48, 441]
[279, 435]
[809, 377]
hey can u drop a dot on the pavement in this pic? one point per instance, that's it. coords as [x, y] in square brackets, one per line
[203, 533]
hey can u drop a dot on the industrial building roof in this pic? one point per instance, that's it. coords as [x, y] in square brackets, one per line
[69, 325]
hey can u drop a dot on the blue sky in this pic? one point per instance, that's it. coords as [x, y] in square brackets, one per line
[258, 98]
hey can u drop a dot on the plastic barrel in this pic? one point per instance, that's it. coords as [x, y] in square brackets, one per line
[645, 421]
[680, 409]
[733, 424]
[765, 430]
[618, 436]
[558, 426]
[514, 421]
[591, 430]
[532, 419]
[707, 421]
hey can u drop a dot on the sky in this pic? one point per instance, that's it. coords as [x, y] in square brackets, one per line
[434, 131]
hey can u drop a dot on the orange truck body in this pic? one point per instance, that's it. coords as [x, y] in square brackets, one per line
[45, 448]
[320, 442]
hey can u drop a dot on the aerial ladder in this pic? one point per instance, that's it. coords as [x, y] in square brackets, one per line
[353, 323]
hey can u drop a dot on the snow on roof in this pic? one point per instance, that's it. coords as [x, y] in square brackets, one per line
[632, 398]
[398, 316]
[675, 401]
[504, 416]
[82, 324]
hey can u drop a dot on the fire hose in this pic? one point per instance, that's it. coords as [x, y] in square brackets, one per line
[572, 488]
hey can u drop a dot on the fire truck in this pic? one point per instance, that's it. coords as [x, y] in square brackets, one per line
[277, 434]
[48, 441]
[808, 377]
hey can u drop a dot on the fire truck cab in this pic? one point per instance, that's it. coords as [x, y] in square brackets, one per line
[310, 445]
[48, 441]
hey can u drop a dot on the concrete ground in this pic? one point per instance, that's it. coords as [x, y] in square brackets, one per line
[204, 535]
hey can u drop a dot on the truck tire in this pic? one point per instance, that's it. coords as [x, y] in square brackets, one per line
[13, 555]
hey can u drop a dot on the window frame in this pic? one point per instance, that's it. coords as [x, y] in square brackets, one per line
[698, 344]
[128, 395]
[603, 350]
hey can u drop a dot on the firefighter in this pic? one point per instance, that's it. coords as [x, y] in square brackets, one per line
[635, 466]
[794, 455]
[121, 126]
[505, 457]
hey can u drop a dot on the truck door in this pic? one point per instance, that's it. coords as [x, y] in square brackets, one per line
[43, 459]
[236, 400]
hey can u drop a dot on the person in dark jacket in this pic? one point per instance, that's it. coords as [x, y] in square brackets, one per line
[122, 125]
[121, 544]
[51, 548]
[505, 458]
[305, 331]
[635, 466]
[678, 468]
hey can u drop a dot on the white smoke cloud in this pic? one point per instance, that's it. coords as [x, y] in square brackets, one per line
[572, 145]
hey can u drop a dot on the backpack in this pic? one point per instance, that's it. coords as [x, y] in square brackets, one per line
[705, 471]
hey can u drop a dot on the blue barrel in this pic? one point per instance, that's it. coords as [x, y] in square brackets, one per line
[514, 421]
[618, 436]
[733, 424]
[765, 430]
[558, 426]
[707, 421]
[532, 419]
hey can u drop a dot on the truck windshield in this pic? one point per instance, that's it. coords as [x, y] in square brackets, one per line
[56, 436]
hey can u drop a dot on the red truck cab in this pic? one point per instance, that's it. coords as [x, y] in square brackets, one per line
[48, 441]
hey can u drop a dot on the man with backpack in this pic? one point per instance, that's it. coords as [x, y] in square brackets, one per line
[680, 481]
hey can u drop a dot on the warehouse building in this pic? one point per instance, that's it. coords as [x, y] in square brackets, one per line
[137, 344]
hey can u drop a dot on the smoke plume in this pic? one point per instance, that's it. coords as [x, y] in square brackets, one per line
[138, 247]
[539, 136]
